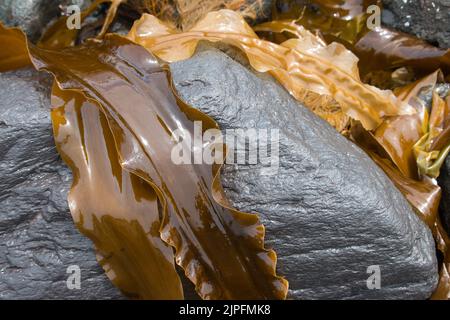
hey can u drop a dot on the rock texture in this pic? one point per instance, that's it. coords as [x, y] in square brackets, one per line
[38, 240]
[329, 212]
[444, 182]
[427, 19]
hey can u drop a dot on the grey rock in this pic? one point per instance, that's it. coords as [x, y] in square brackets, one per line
[329, 211]
[427, 19]
[323, 211]
[38, 239]
[444, 182]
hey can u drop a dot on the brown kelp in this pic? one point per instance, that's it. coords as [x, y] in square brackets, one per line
[299, 64]
[117, 210]
[379, 50]
[112, 95]
[345, 21]
[14, 53]
[220, 249]
[178, 13]
[396, 136]
[398, 121]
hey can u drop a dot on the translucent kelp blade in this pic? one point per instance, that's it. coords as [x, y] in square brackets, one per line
[14, 52]
[433, 148]
[191, 11]
[407, 140]
[295, 65]
[398, 136]
[117, 210]
[220, 249]
[341, 19]
[278, 31]
[378, 48]
[426, 128]
[384, 49]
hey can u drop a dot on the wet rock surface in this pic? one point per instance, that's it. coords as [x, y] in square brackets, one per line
[38, 239]
[329, 211]
[444, 182]
[427, 19]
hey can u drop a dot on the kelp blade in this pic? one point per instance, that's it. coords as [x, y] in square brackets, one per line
[14, 52]
[113, 122]
[120, 214]
[298, 64]
[114, 208]
[336, 19]
[397, 135]
[220, 249]
[384, 49]
[378, 48]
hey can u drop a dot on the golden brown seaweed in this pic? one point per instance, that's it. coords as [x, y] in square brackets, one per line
[13, 53]
[345, 21]
[407, 139]
[220, 249]
[298, 64]
[114, 208]
[384, 49]
[423, 194]
[334, 19]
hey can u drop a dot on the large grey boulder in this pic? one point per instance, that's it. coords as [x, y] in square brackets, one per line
[38, 239]
[427, 19]
[330, 213]
[444, 182]
[324, 211]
